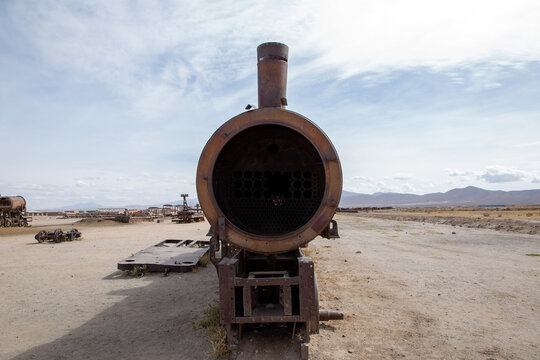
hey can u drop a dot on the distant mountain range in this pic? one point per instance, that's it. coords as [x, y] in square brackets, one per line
[469, 196]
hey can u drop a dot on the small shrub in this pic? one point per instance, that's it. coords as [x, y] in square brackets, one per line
[217, 335]
[138, 271]
[203, 261]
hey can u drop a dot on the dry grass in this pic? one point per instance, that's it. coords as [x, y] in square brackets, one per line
[308, 251]
[204, 260]
[217, 335]
[137, 271]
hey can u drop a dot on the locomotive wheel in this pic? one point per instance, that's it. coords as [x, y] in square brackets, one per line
[40, 237]
[58, 235]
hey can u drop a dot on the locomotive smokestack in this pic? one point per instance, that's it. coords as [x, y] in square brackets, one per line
[272, 74]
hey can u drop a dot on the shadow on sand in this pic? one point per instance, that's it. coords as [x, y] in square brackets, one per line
[155, 321]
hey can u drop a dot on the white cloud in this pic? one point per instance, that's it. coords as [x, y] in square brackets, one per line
[402, 177]
[458, 173]
[364, 184]
[529, 144]
[159, 48]
[81, 183]
[385, 35]
[494, 175]
[176, 70]
[499, 174]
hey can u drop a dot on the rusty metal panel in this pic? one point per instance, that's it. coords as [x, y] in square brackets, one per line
[286, 300]
[267, 281]
[226, 270]
[169, 255]
[12, 203]
[247, 300]
[272, 74]
[309, 299]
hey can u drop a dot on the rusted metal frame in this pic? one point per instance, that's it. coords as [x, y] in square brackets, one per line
[182, 256]
[333, 233]
[333, 179]
[278, 257]
[180, 243]
[267, 319]
[286, 299]
[309, 309]
[214, 248]
[247, 300]
[253, 274]
[227, 272]
[222, 231]
[239, 281]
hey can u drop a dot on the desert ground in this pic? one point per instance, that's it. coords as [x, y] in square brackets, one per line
[409, 289]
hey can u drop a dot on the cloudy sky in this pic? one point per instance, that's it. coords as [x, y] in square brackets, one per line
[112, 101]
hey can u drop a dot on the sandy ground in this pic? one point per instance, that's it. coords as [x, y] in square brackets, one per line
[418, 291]
[407, 290]
[529, 226]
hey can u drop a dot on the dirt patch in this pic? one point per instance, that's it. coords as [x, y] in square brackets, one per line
[408, 290]
[414, 290]
[508, 225]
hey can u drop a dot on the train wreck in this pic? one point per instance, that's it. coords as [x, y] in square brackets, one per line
[269, 181]
[187, 214]
[13, 211]
[57, 235]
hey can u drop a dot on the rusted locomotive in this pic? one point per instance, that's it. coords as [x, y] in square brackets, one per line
[269, 181]
[187, 214]
[13, 211]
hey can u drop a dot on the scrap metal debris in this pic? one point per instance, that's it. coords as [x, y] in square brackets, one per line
[13, 211]
[57, 235]
[168, 256]
[187, 214]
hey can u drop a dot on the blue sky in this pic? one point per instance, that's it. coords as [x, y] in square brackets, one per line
[113, 101]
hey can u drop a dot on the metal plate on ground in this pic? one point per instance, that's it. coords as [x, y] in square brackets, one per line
[170, 255]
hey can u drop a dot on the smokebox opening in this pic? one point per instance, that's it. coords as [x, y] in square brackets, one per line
[269, 180]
